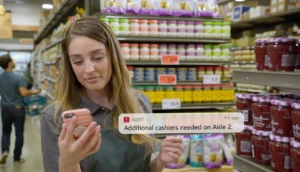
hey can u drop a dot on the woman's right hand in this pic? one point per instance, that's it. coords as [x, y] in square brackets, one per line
[73, 151]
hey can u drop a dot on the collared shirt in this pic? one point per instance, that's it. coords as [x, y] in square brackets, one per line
[50, 130]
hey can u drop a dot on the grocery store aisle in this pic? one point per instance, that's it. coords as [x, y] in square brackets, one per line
[31, 150]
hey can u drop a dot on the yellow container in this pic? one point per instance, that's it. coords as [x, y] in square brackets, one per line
[179, 92]
[169, 92]
[231, 92]
[216, 93]
[187, 94]
[159, 94]
[197, 94]
[224, 93]
[207, 94]
[149, 91]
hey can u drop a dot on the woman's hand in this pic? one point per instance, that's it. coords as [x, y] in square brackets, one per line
[73, 151]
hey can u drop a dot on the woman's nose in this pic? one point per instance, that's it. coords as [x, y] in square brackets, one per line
[89, 67]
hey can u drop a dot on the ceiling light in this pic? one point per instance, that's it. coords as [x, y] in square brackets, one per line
[47, 6]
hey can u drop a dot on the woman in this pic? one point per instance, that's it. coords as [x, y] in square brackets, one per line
[94, 76]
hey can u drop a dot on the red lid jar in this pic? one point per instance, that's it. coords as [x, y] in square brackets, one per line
[260, 142]
[296, 121]
[295, 155]
[244, 105]
[281, 114]
[261, 113]
[261, 54]
[297, 64]
[243, 142]
[282, 54]
[280, 153]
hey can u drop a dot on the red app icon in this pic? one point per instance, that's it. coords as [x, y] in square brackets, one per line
[126, 119]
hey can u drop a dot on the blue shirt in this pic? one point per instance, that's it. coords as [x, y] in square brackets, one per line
[9, 89]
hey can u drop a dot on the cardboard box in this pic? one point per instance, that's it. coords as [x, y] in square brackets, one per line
[239, 11]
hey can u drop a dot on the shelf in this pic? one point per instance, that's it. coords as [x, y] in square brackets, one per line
[265, 20]
[49, 63]
[248, 164]
[50, 96]
[50, 79]
[186, 63]
[251, 90]
[197, 106]
[287, 81]
[224, 168]
[51, 45]
[149, 17]
[66, 7]
[178, 82]
[158, 39]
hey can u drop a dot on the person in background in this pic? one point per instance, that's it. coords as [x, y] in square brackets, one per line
[27, 76]
[12, 90]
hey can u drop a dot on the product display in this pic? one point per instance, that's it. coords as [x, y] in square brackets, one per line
[243, 141]
[261, 151]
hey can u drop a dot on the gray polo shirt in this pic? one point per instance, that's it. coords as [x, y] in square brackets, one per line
[50, 132]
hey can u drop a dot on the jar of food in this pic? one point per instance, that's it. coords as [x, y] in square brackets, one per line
[125, 48]
[159, 71]
[181, 74]
[191, 74]
[218, 70]
[134, 52]
[163, 49]
[149, 91]
[216, 93]
[114, 25]
[144, 27]
[171, 70]
[197, 94]
[139, 74]
[216, 53]
[162, 28]
[181, 52]
[296, 121]
[124, 26]
[225, 53]
[199, 53]
[159, 94]
[144, 52]
[297, 64]
[134, 29]
[190, 28]
[154, 52]
[181, 28]
[209, 70]
[172, 49]
[172, 28]
[153, 28]
[190, 52]
[179, 93]
[169, 92]
[261, 113]
[106, 20]
[261, 54]
[131, 72]
[207, 93]
[201, 72]
[260, 142]
[231, 92]
[199, 29]
[281, 113]
[188, 95]
[226, 93]
[244, 105]
[149, 74]
[280, 153]
[208, 52]
[243, 142]
[226, 30]
[282, 53]
[295, 155]
[226, 74]
[216, 30]
[208, 29]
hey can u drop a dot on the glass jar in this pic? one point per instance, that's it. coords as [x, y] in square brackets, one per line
[261, 113]
[134, 29]
[134, 52]
[131, 72]
[114, 25]
[281, 118]
[188, 96]
[149, 91]
[159, 94]
[106, 20]
[207, 93]
[225, 53]
[172, 28]
[226, 30]
[149, 74]
[171, 70]
[169, 92]
[139, 74]
[295, 155]
[190, 28]
[179, 93]
[208, 29]
[154, 52]
[181, 74]
[282, 54]
[197, 94]
[181, 29]
[216, 53]
[144, 27]
[124, 26]
[199, 29]
[172, 49]
[181, 52]
[190, 52]
[296, 121]
[218, 70]
[191, 74]
[125, 48]
[224, 93]
[244, 105]
[297, 64]
[209, 70]
[261, 54]
[216, 30]
[199, 53]
[216, 93]
[159, 71]
[163, 49]
[261, 151]
[153, 28]
[226, 74]
[280, 153]
[162, 28]
[144, 52]
[231, 92]
[201, 72]
[243, 142]
[208, 52]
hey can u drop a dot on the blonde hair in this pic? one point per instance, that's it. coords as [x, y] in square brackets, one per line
[69, 90]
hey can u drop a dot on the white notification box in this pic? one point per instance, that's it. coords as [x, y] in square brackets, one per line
[211, 79]
[181, 123]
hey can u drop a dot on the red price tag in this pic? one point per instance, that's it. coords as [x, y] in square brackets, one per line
[169, 59]
[167, 79]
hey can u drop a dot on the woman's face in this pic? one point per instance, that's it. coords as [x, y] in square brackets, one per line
[90, 62]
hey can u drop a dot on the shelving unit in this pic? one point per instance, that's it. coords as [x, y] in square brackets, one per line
[52, 45]
[248, 164]
[224, 168]
[181, 63]
[178, 82]
[198, 106]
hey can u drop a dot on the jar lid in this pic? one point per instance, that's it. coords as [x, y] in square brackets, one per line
[181, 22]
[178, 87]
[153, 21]
[181, 45]
[261, 41]
[144, 45]
[295, 144]
[104, 19]
[149, 87]
[261, 99]
[226, 67]
[172, 45]
[248, 127]
[191, 45]
[296, 105]
[190, 22]
[187, 87]
[226, 23]
[244, 96]
[139, 87]
[216, 46]
[197, 86]
[207, 46]
[199, 22]
[261, 133]
[199, 45]
[143, 21]
[154, 45]
[134, 20]
[206, 86]
[169, 87]
[113, 20]
[163, 45]
[281, 139]
[207, 23]
[216, 86]
[209, 68]
[125, 44]
[162, 21]
[282, 40]
[124, 20]
[218, 68]
[130, 67]
[201, 68]
[281, 102]
[160, 87]
[134, 45]
[171, 21]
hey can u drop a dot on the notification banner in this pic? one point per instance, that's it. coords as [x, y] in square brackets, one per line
[181, 123]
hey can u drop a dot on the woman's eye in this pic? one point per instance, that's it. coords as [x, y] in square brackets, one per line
[98, 58]
[77, 63]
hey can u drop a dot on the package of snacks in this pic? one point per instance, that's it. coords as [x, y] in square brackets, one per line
[213, 151]
[215, 9]
[165, 7]
[148, 7]
[182, 160]
[228, 148]
[115, 6]
[133, 6]
[203, 8]
[183, 8]
[197, 151]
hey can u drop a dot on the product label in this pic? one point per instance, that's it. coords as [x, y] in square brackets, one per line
[267, 60]
[246, 114]
[265, 157]
[287, 163]
[288, 60]
[246, 146]
[298, 60]
[296, 131]
[171, 104]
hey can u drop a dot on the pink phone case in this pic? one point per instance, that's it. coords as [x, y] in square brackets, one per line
[84, 117]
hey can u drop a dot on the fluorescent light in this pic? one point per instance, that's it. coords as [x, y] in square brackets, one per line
[239, 0]
[47, 6]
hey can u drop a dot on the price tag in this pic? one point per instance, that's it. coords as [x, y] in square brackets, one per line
[211, 79]
[170, 59]
[171, 104]
[167, 79]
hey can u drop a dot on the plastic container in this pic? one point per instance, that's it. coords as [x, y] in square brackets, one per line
[172, 28]
[131, 72]
[149, 74]
[207, 93]
[296, 121]
[243, 142]
[169, 92]
[191, 74]
[125, 48]
[159, 71]
[281, 113]
[154, 52]
[207, 52]
[295, 155]
[199, 56]
[260, 142]
[187, 94]
[261, 113]
[190, 28]
[216, 30]
[181, 29]
[282, 53]
[200, 72]
[162, 28]
[159, 94]
[144, 52]
[124, 26]
[163, 49]
[181, 51]
[280, 153]
[216, 93]
[218, 70]
[225, 53]
[199, 29]
[153, 28]
[172, 49]
[171, 70]
[139, 74]
[226, 31]
[197, 94]
[244, 105]
[190, 52]
[134, 29]
[181, 74]
[134, 52]
[150, 93]
[179, 92]
[209, 70]
[114, 25]
[208, 29]
[261, 54]
[144, 27]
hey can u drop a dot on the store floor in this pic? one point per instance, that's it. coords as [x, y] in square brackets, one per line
[31, 150]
